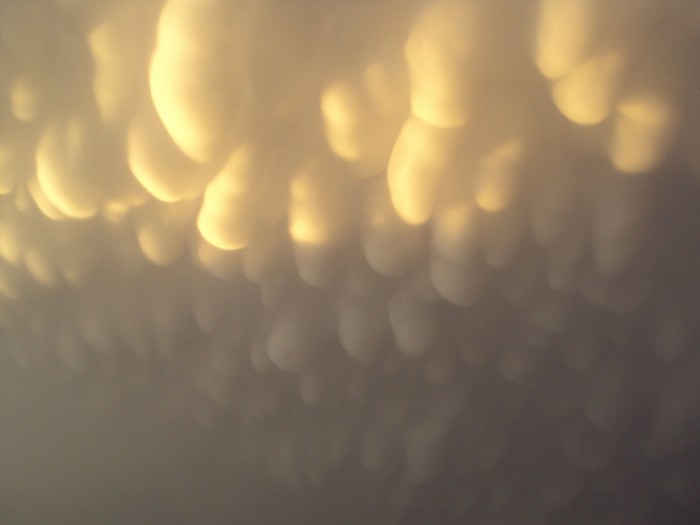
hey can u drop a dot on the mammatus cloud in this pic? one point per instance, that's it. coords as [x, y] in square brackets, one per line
[447, 246]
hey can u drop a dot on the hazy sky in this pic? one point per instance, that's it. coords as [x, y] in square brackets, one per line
[372, 261]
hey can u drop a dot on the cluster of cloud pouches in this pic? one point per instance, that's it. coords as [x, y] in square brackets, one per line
[453, 243]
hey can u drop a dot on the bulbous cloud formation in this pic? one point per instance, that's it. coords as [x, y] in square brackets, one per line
[443, 253]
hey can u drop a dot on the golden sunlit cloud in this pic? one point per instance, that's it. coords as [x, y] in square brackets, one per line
[497, 176]
[422, 157]
[227, 217]
[588, 93]
[566, 35]
[194, 96]
[66, 168]
[643, 130]
[440, 53]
